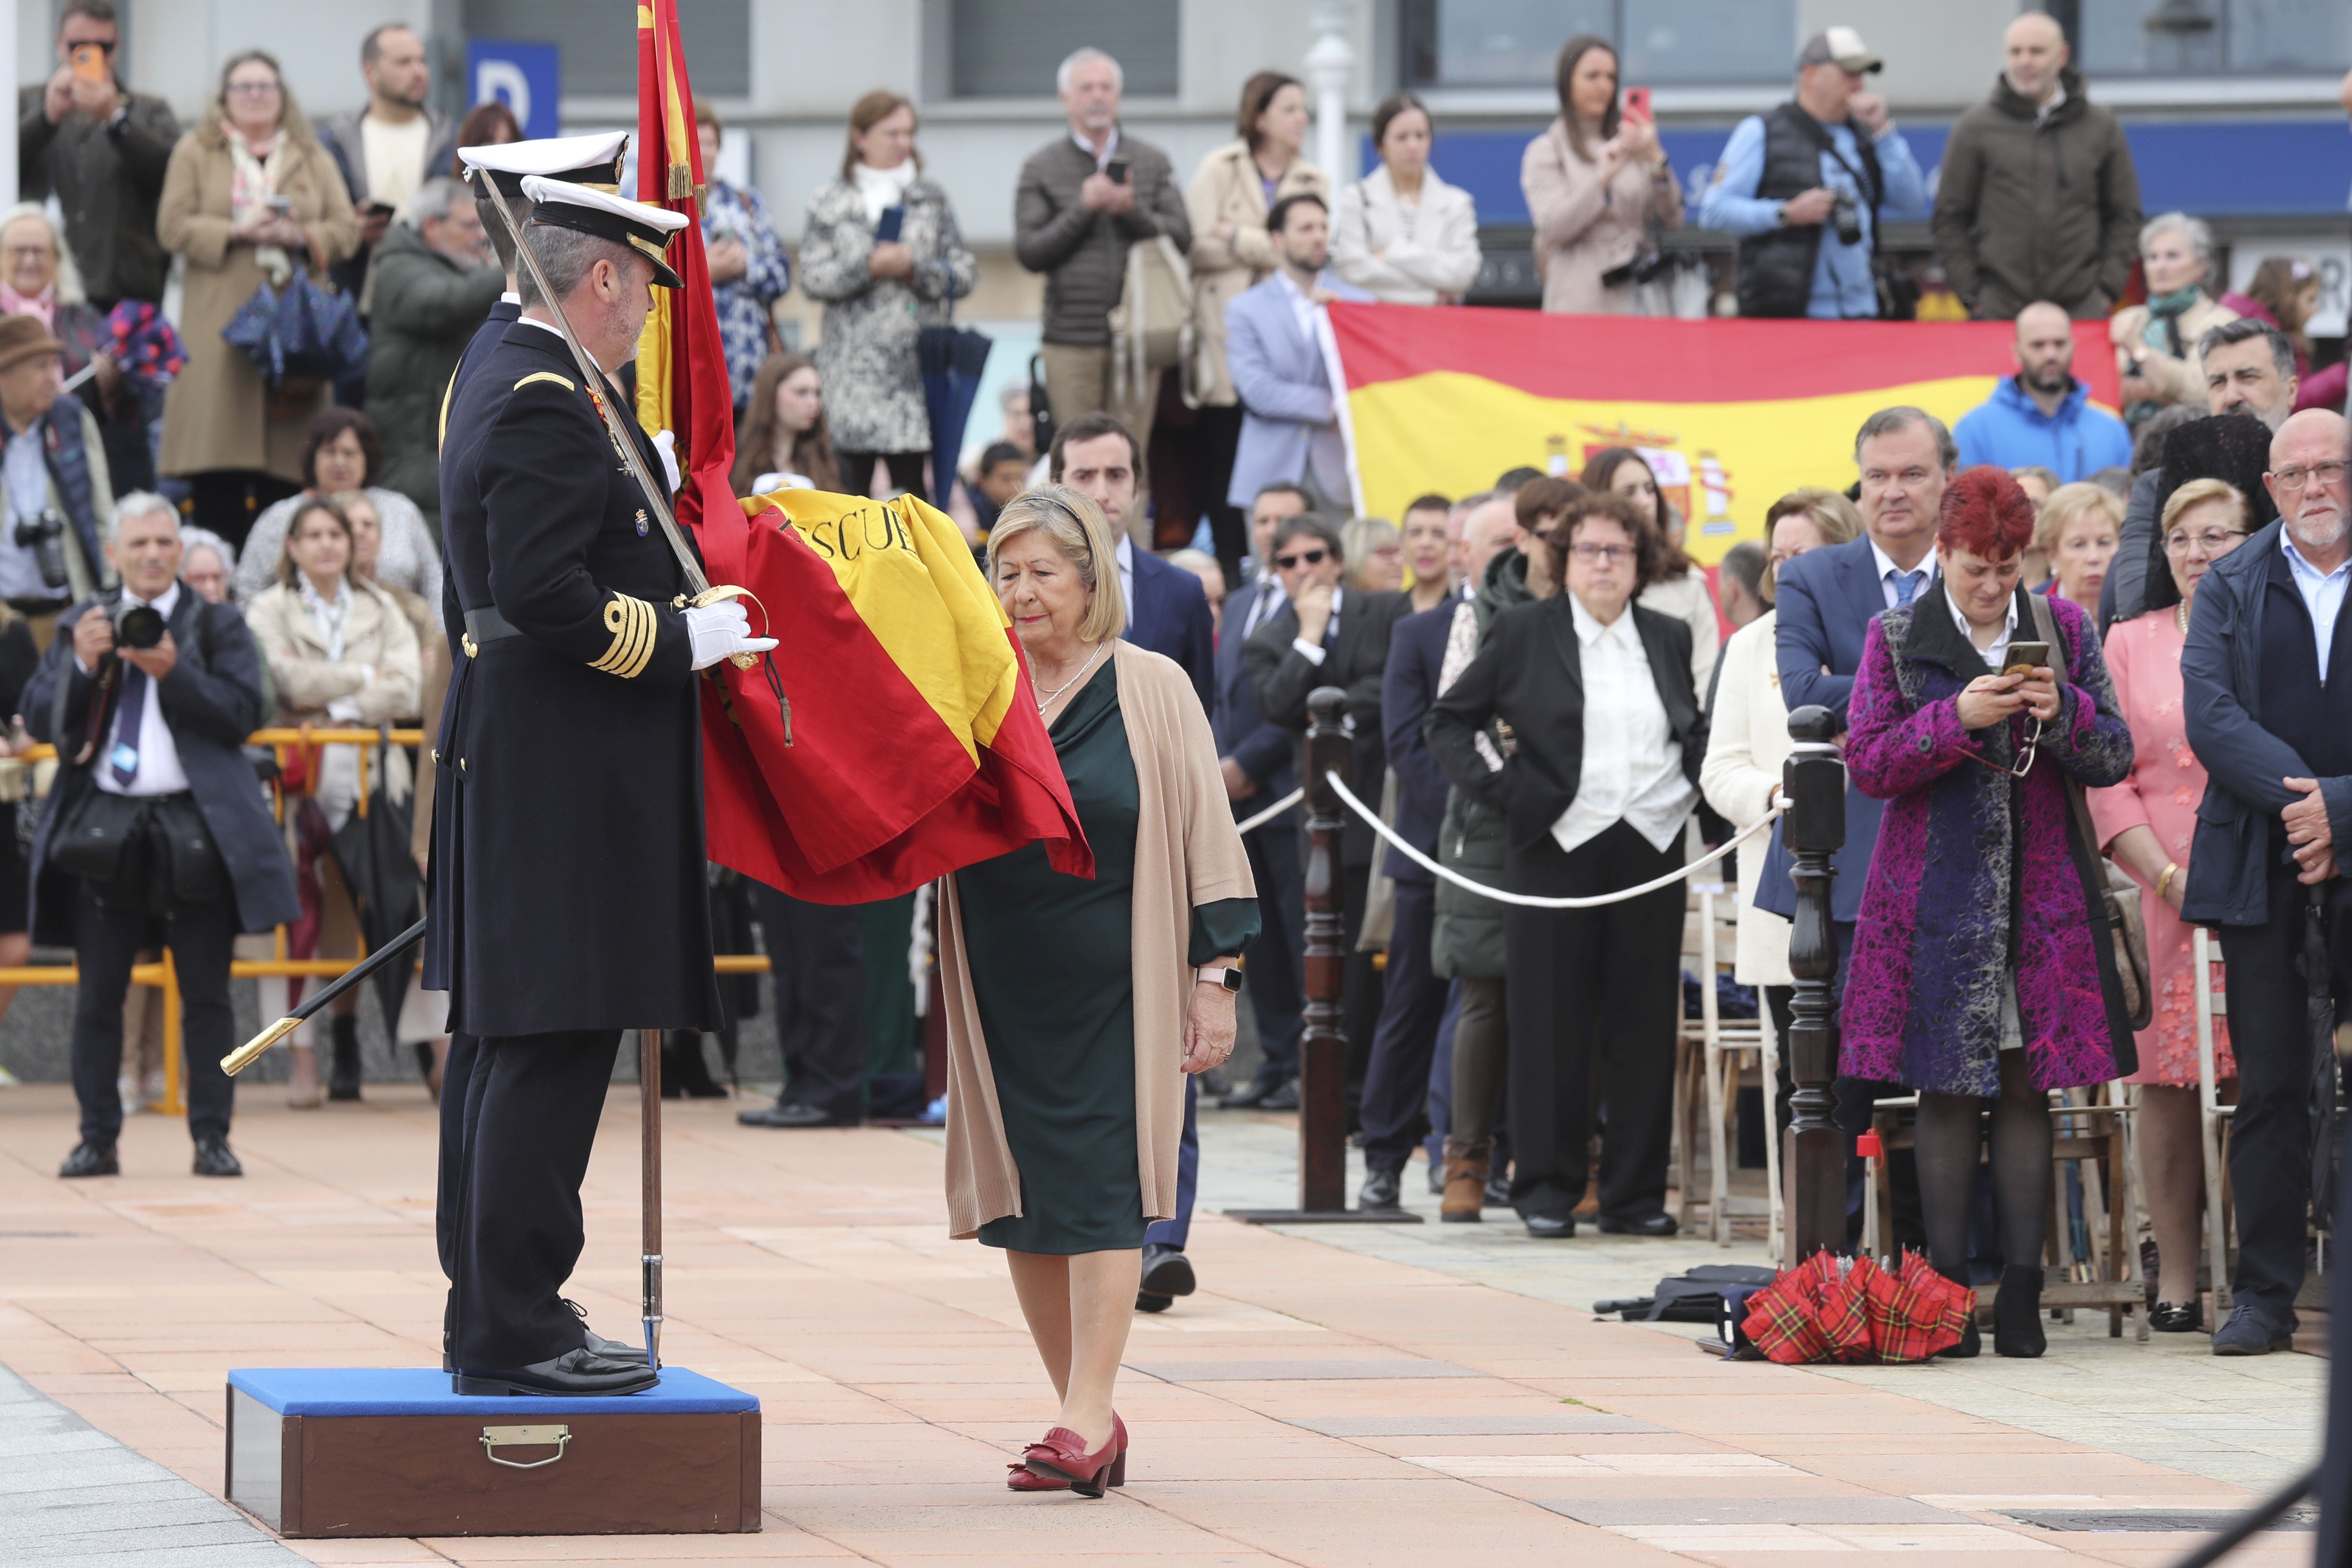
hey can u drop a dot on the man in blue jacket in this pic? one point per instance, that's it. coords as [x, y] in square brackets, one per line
[2042, 416]
[2266, 680]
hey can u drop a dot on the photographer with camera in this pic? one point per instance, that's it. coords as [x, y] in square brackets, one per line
[156, 815]
[1805, 187]
[60, 499]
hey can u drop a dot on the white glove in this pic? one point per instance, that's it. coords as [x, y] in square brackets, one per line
[667, 443]
[721, 629]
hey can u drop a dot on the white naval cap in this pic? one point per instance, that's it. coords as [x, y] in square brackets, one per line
[593, 161]
[559, 204]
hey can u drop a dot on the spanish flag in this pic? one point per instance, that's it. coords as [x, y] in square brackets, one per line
[1732, 415]
[916, 746]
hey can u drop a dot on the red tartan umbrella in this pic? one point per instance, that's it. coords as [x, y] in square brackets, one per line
[1832, 1308]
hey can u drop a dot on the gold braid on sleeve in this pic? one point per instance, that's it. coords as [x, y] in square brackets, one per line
[632, 623]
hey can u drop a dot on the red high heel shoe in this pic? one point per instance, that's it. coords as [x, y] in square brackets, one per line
[1061, 1461]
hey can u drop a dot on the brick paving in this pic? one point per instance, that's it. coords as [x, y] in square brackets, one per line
[1357, 1395]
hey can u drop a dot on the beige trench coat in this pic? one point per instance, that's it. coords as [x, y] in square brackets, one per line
[1584, 229]
[1186, 855]
[1226, 190]
[217, 414]
[2176, 380]
[379, 635]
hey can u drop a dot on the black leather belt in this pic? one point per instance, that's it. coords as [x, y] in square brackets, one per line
[486, 626]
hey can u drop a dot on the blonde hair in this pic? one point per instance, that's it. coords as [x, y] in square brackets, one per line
[1838, 519]
[2196, 492]
[1358, 538]
[2066, 505]
[1078, 529]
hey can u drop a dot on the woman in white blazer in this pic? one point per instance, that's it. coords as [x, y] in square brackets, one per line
[1400, 233]
[1748, 735]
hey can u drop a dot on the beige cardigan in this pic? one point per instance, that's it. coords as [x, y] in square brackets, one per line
[1186, 854]
[1747, 742]
[1226, 190]
[1584, 229]
[1405, 260]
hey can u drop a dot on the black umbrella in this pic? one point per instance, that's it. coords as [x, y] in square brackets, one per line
[373, 852]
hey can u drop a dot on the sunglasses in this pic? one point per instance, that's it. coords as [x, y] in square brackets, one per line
[1304, 558]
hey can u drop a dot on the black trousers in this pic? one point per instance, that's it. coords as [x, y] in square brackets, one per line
[107, 939]
[531, 1108]
[1412, 1001]
[818, 957]
[457, 1072]
[2270, 1142]
[1594, 997]
[909, 471]
[1217, 439]
[1276, 956]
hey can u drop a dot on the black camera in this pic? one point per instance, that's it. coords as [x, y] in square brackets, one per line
[1847, 220]
[136, 625]
[1643, 269]
[45, 536]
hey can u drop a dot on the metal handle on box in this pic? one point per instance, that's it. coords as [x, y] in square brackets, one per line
[496, 1437]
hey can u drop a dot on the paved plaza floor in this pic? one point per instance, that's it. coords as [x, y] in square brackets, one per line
[1344, 1395]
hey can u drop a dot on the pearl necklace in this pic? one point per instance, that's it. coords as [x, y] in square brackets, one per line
[1047, 700]
[2181, 616]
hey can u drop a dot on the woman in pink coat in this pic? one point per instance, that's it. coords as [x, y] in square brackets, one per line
[2145, 825]
[1595, 182]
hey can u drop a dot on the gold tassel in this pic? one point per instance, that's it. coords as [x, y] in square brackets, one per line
[681, 182]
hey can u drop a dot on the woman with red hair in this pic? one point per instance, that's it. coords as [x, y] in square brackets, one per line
[1982, 972]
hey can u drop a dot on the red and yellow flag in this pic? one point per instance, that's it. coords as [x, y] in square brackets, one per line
[1732, 414]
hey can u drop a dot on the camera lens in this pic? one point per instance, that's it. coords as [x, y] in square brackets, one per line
[1849, 222]
[138, 626]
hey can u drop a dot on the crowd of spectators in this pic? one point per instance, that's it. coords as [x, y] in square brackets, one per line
[1548, 693]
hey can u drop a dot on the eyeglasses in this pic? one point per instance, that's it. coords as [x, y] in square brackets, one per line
[2330, 474]
[1304, 558]
[1601, 555]
[2213, 541]
[254, 90]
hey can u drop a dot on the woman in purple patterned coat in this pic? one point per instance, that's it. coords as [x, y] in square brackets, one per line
[1982, 973]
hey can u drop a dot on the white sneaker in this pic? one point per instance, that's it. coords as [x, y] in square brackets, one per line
[127, 1087]
[155, 1086]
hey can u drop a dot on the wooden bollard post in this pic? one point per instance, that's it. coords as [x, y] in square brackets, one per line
[1323, 1049]
[1812, 1160]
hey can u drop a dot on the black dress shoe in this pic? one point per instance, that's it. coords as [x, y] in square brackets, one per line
[1550, 1227]
[1166, 1271]
[1380, 1191]
[1284, 1098]
[1499, 1192]
[212, 1159]
[1152, 1301]
[574, 1372]
[1251, 1095]
[343, 1080]
[1648, 1225]
[787, 1114]
[91, 1159]
[1215, 1085]
[610, 1350]
[2175, 1318]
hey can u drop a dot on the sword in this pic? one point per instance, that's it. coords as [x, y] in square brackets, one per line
[246, 1055]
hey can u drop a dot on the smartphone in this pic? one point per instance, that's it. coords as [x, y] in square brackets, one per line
[1119, 169]
[90, 62]
[282, 204]
[887, 228]
[379, 209]
[1637, 104]
[2025, 657]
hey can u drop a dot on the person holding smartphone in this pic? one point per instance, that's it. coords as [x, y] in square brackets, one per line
[1597, 183]
[101, 152]
[1983, 970]
[882, 249]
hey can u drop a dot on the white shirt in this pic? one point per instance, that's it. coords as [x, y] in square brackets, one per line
[26, 480]
[1126, 553]
[2323, 595]
[1889, 573]
[1315, 651]
[395, 156]
[159, 771]
[1303, 309]
[511, 298]
[1267, 605]
[1633, 763]
[1999, 652]
[1102, 159]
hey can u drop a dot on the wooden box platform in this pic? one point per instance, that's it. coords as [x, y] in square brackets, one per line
[337, 1452]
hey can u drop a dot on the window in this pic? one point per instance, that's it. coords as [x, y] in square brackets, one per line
[601, 61]
[1010, 49]
[1516, 43]
[2192, 37]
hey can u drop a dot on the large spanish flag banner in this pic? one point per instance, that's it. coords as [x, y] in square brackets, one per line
[1732, 415]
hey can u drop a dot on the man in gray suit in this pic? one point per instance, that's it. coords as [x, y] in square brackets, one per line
[1273, 343]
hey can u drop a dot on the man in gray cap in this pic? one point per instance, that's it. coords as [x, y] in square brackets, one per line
[1805, 186]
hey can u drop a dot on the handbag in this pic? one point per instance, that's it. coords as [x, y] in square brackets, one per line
[1151, 325]
[300, 333]
[93, 830]
[2126, 926]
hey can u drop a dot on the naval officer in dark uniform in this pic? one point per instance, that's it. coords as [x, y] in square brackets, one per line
[566, 892]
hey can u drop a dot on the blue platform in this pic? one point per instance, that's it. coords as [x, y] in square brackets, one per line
[401, 1391]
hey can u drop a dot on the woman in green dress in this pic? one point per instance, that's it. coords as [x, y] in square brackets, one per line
[1075, 1006]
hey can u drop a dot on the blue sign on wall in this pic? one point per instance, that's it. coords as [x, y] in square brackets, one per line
[527, 77]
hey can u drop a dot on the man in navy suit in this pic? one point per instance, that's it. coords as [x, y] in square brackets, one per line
[1168, 612]
[1260, 762]
[1827, 599]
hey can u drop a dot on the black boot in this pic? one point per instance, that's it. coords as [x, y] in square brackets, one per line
[344, 1082]
[685, 1073]
[1971, 1342]
[2017, 1313]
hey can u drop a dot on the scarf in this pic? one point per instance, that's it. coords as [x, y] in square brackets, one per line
[253, 182]
[2164, 312]
[42, 306]
[880, 188]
